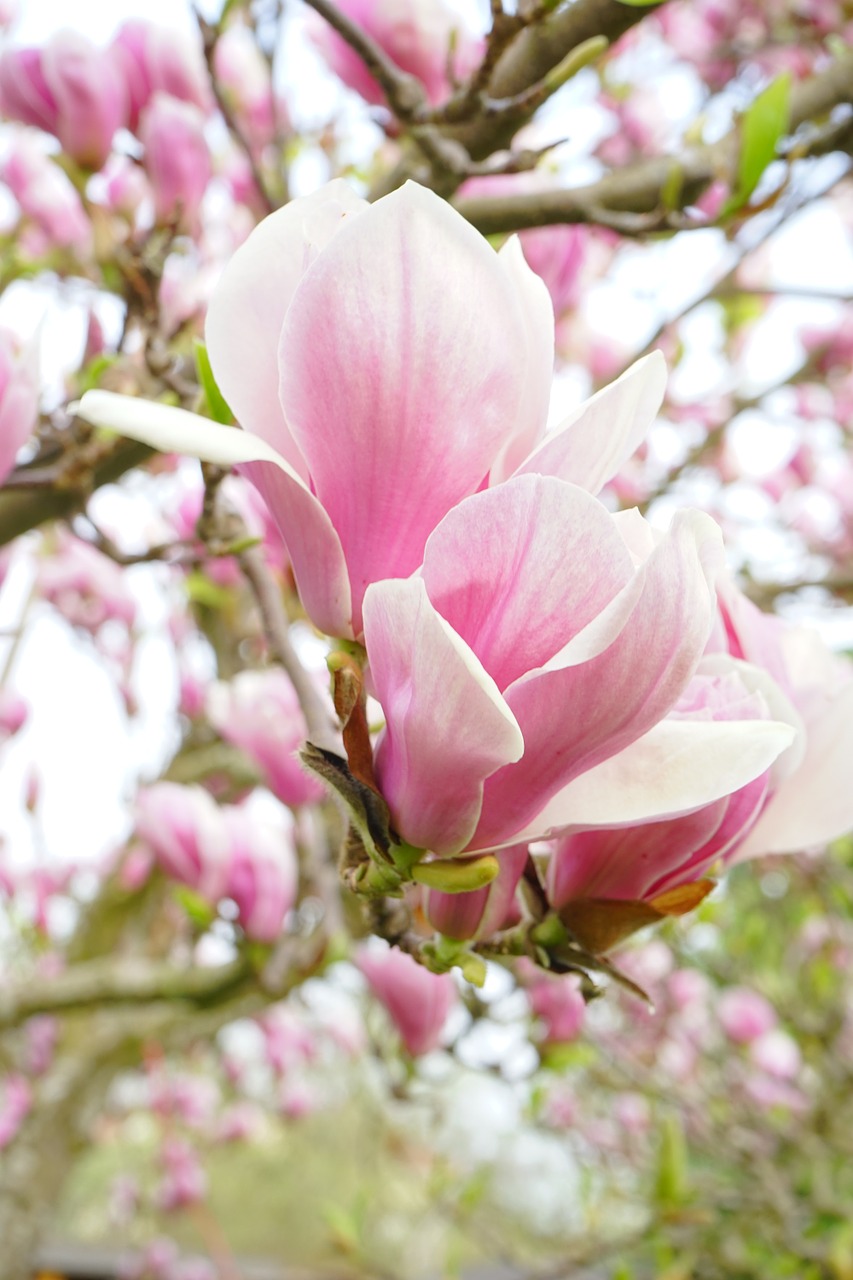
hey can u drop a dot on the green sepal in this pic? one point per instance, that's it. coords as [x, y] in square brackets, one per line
[462, 875]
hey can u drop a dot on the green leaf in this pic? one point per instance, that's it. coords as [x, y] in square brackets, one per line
[217, 405]
[763, 123]
[671, 1182]
[202, 590]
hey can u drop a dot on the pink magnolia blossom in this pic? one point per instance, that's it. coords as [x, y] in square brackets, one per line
[222, 851]
[263, 875]
[16, 1099]
[259, 712]
[244, 78]
[558, 1003]
[525, 674]
[376, 391]
[19, 398]
[745, 1015]
[69, 88]
[177, 158]
[184, 1181]
[157, 59]
[14, 711]
[416, 34]
[417, 1000]
[47, 198]
[184, 828]
[86, 587]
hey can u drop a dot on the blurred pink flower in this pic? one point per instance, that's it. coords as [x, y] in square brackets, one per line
[417, 1000]
[246, 84]
[84, 585]
[69, 88]
[16, 1099]
[176, 159]
[744, 1014]
[259, 712]
[159, 59]
[14, 711]
[559, 1005]
[416, 34]
[19, 398]
[46, 197]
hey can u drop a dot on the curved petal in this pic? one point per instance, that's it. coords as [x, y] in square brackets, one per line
[399, 391]
[574, 717]
[313, 545]
[590, 446]
[249, 303]
[447, 726]
[675, 768]
[519, 570]
[814, 804]
[539, 332]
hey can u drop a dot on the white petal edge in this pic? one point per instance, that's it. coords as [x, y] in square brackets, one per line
[676, 767]
[172, 430]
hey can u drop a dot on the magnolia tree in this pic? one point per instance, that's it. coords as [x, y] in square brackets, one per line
[513, 347]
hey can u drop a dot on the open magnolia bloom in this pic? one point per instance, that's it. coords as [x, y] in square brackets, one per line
[528, 672]
[384, 363]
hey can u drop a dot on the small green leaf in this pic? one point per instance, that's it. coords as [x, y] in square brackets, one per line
[217, 405]
[763, 123]
[202, 590]
[671, 1183]
[197, 908]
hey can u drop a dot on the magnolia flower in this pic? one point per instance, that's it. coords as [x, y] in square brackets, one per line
[19, 399]
[526, 672]
[418, 35]
[157, 59]
[385, 363]
[46, 197]
[259, 712]
[222, 851]
[177, 158]
[68, 88]
[417, 1000]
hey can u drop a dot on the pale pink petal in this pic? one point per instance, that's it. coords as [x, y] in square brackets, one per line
[676, 767]
[539, 334]
[574, 717]
[400, 376]
[248, 307]
[313, 545]
[590, 446]
[519, 570]
[814, 804]
[448, 727]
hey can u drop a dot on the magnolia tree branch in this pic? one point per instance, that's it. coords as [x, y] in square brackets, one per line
[622, 198]
[97, 983]
[404, 92]
[318, 719]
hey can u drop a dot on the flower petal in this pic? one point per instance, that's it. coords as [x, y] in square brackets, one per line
[519, 570]
[398, 389]
[590, 446]
[539, 333]
[814, 804]
[447, 726]
[249, 303]
[574, 717]
[678, 766]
